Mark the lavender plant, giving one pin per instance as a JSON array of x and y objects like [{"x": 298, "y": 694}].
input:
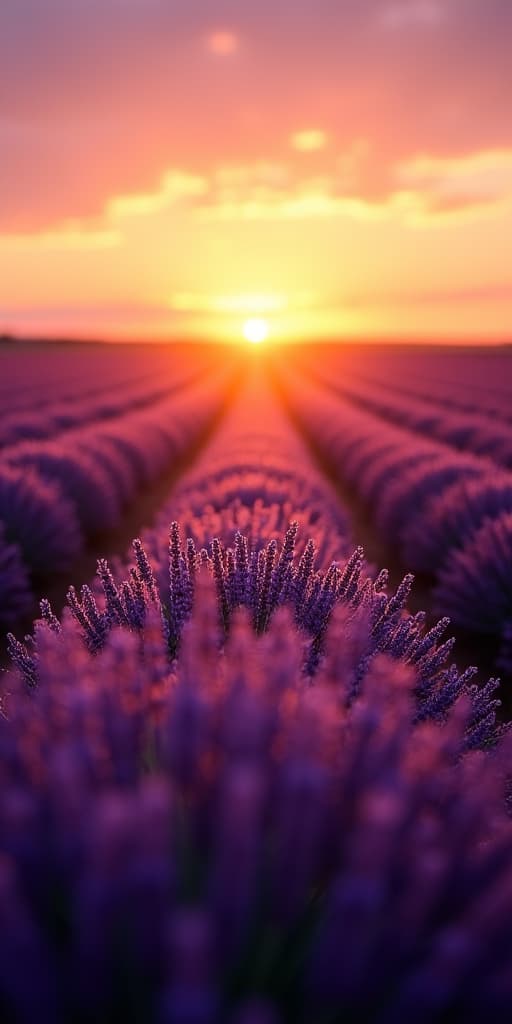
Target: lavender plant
[
  {"x": 261, "y": 580},
  {"x": 216, "y": 839}
]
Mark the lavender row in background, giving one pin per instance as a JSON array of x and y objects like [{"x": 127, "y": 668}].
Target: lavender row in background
[
  {"x": 464, "y": 380},
  {"x": 52, "y": 494},
  {"x": 39, "y": 375},
  {"x": 454, "y": 397},
  {"x": 473, "y": 433},
  {"x": 446, "y": 513},
  {"x": 45, "y": 412},
  {"x": 61, "y": 416}
]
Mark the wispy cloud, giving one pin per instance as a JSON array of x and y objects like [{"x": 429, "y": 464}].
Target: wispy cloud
[
  {"x": 425, "y": 189},
  {"x": 175, "y": 186},
  {"x": 471, "y": 183}
]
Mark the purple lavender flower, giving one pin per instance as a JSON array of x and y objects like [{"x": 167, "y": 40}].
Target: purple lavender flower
[
  {"x": 313, "y": 597},
  {"x": 222, "y": 841}
]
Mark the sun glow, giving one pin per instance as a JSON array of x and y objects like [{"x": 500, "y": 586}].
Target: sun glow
[{"x": 255, "y": 330}]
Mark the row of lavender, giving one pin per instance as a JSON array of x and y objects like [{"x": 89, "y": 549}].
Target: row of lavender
[
  {"x": 36, "y": 378},
  {"x": 449, "y": 514},
  {"x": 453, "y": 396},
  {"x": 202, "y": 823},
  {"x": 465, "y": 380},
  {"x": 474, "y": 432},
  {"x": 58, "y": 415},
  {"x": 45, "y": 391},
  {"x": 55, "y": 493}
]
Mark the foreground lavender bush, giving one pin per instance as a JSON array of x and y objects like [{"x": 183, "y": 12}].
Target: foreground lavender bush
[
  {"x": 217, "y": 839},
  {"x": 261, "y": 580}
]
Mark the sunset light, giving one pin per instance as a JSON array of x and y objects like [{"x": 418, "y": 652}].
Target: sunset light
[
  {"x": 357, "y": 151},
  {"x": 256, "y": 330}
]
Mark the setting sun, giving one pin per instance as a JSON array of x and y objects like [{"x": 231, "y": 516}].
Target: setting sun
[{"x": 255, "y": 330}]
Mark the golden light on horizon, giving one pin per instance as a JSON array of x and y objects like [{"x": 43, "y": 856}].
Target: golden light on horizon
[
  {"x": 256, "y": 330},
  {"x": 309, "y": 141}
]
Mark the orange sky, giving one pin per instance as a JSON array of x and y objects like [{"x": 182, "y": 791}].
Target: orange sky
[{"x": 174, "y": 168}]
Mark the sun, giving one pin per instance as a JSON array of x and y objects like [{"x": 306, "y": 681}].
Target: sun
[{"x": 255, "y": 330}]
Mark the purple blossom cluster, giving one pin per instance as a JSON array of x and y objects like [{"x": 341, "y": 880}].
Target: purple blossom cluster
[
  {"x": 219, "y": 839},
  {"x": 56, "y": 492},
  {"x": 446, "y": 512},
  {"x": 262, "y": 580}
]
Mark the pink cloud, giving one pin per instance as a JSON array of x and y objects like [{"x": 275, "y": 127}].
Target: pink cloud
[{"x": 102, "y": 98}]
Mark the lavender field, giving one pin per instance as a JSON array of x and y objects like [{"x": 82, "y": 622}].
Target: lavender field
[{"x": 255, "y": 748}]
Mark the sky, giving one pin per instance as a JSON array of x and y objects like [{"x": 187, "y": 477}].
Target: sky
[{"x": 338, "y": 167}]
